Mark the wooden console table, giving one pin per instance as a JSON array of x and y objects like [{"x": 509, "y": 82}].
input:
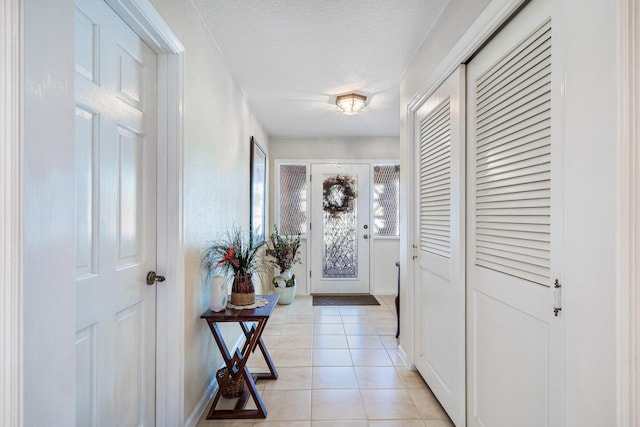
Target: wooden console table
[{"x": 237, "y": 363}]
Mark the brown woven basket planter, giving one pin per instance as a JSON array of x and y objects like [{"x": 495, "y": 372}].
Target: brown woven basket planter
[
  {"x": 242, "y": 291},
  {"x": 243, "y": 299},
  {"x": 229, "y": 387}
]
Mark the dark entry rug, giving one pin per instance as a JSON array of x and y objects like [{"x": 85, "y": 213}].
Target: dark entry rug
[{"x": 345, "y": 300}]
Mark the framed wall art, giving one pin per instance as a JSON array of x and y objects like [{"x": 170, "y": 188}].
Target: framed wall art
[{"x": 258, "y": 202}]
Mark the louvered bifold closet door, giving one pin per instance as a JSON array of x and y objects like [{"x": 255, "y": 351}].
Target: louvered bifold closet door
[
  {"x": 435, "y": 181},
  {"x": 513, "y": 161},
  {"x": 515, "y": 343},
  {"x": 440, "y": 287}
]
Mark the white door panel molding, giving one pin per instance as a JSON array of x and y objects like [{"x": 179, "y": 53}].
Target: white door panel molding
[
  {"x": 141, "y": 16},
  {"x": 115, "y": 188}
]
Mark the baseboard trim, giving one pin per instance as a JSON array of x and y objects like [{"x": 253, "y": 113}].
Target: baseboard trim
[
  {"x": 203, "y": 404},
  {"x": 403, "y": 355},
  {"x": 207, "y": 398}
]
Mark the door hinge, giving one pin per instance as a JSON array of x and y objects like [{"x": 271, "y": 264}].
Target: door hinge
[
  {"x": 309, "y": 177},
  {"x": 557, "y": 298},
  {"x": 309, "y": 226},
  {"x": 415, "y": 250},
  {"x": 309, "y": 273}
]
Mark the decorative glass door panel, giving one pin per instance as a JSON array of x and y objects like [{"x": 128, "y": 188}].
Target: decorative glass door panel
[
  {"x": 339, "y": 225},
  {"x": 339, "y": 228}
]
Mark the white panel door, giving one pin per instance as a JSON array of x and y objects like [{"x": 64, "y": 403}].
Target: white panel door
[
  {"x": 116, "y": 220},
  {"x": 340, "y": 242},
  {"x": 440, "y": 287},
  {"x": 515, "y": 354}
]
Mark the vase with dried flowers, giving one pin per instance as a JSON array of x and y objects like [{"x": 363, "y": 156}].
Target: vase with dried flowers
[
  {"x": 234, "y": 257},
  {"x": 283, "y": 252}
]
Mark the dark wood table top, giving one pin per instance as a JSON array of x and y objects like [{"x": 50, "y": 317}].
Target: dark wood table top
[{"x": 245, "y": 315}]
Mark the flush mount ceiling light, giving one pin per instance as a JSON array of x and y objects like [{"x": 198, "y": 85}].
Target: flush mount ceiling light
[{"x": 351, "y": 103}]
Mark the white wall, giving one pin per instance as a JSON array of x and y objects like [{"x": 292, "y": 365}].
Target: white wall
[
  {"x": 585, "y": 37},
  {"x": 218, "y": 126},
  {"x": 384, "y": 273},
  {"x": 385, "y": 252},
  {"x": 454, "y": 21},
  {"x": 588, "y": 32},
  {"x": 335, "y": 148},
  {"x": 49, "y": 230}
]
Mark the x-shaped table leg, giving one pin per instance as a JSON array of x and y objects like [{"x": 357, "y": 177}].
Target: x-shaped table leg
[
  {"x": 250, "y": 332},
  {"x": 237, "y": 365}
]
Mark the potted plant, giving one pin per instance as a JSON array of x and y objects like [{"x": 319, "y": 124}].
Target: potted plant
[
  {"x": 282, "y": 254},
  {"x": 235, "y": 258}
]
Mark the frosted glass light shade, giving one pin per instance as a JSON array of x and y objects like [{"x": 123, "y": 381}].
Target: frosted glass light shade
[{"x": 351, "y": 103}]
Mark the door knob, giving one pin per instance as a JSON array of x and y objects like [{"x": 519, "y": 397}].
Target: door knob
[
  {"x": 152, "y": 278},
  {"x": 366, "y": 236}
]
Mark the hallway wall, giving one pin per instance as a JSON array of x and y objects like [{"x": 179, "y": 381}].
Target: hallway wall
[
  {"x": 49, "y": 212},
  {"x": 381, "y": 147},
  {"x": 588, "y": 125},
  {"x": 218, "y": 125}
]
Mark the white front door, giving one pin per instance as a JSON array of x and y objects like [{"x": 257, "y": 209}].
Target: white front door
[
  {"x": 515, "y": 348},
  {"x": 440, "y": 286},
  {"x": 115, "y": 220},
  {"x": 340, "y": 231}
]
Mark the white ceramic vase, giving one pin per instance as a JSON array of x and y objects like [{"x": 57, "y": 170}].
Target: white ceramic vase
[
  {"x": 219, "y": 289},
  {"x": 287, "y": 294}
]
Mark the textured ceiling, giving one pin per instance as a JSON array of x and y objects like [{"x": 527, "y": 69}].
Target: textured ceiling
[{"x": 293, "y": 57}]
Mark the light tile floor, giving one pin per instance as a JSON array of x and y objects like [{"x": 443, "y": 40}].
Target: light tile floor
[{"x": 338, "y": 367}]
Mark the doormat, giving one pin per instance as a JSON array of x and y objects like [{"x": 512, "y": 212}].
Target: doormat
[{"x": 345, "y": 300}]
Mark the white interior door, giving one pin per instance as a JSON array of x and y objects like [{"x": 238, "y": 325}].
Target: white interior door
[
  {"x": 515, "y": 342},
  {"x": 116, "y": 220},
  {"x": 440, "y": 286},
  {"x": 340, "y": 242}
]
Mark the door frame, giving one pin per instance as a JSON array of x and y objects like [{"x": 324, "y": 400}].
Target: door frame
[
  {"x": 628, "y": 232},
  {"x": 142, "y": 17},
  {"x": 11, "y": 214},
  {"x": 496, "y": 14}
]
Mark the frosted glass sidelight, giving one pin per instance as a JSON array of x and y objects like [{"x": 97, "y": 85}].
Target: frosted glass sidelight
[
  {"x": 293, "y": 199},
  {"x": 386, "y": 200},
  {"x": 340, "y": 242}
]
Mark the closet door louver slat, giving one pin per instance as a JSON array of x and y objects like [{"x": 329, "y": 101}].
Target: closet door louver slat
[
  {"x": 513, "y": 60},
  {"x": 435, "y": 181},
  {"x": 513, "y": 161}
]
